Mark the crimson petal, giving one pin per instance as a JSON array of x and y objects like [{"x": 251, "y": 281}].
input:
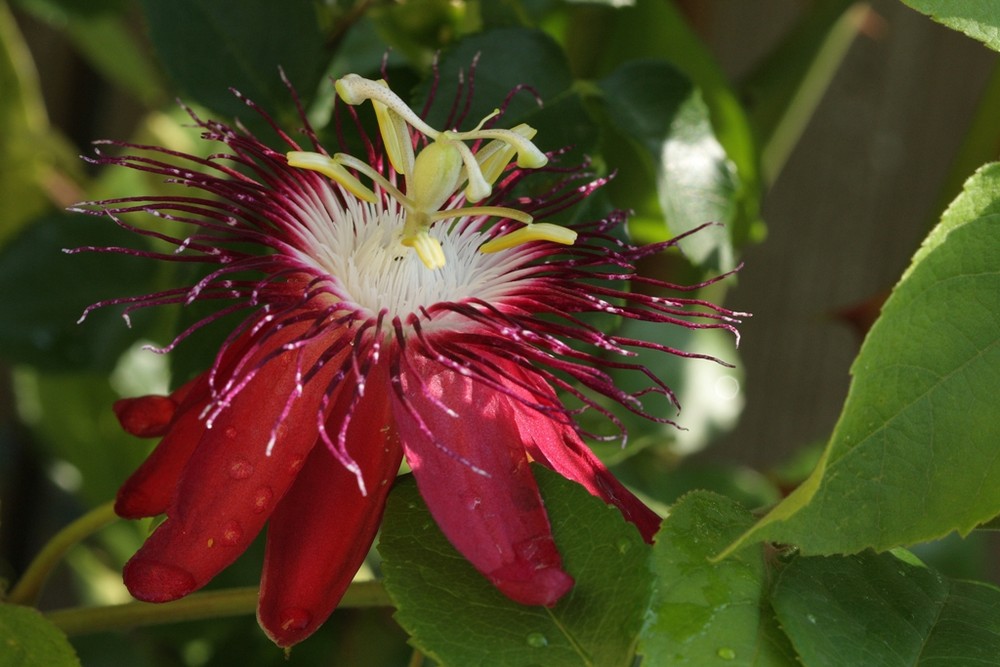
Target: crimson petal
[
  {"x": 227, "y": 489},
  {"x": 475, "y": 477},
  {"x": 559, "y": 447},
  {"x": 322, "y": 529}
]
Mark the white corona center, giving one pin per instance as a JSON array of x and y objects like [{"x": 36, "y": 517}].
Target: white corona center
[{"x": 358, "y": 246}]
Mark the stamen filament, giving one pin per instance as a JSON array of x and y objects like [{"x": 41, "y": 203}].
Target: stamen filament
[{"x": 539, "y": 231}]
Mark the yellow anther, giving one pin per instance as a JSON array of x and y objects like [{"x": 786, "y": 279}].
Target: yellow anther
[
  {"x": 332, "y": 169},
  {"x": 494, "y": 157},
  {"x": 428, "y": 249},
  {"x": 395, "y": 135},
  {"x": 539, "y": 231}
]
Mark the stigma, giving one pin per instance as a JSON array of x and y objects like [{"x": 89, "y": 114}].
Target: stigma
[{"x": 436, "y": 174}]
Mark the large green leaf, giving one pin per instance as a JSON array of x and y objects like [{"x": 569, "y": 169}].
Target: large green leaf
[
  {"x": 883, "y": 610},
  {"x": 602, "y": 39},
  {"x": 456, "y": 616},
  {"x": 705, "y": 613},
  {"x": 43, "y": 291},
  {"x": 914, "y": 455},
  {"x": 979, "y": 19},
  {"x": 28, "y": 640},
  {"x": 498, "y": 62},
  {"x": 208, "y": 47},
  {"x": 651, "y": 103}
]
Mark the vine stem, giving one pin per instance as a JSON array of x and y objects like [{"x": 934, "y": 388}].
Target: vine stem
[
  {"x": 28, "y": 588},
  {"x": 194, "y": 607}
]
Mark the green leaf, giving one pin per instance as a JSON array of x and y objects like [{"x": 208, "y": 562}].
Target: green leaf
[
  {"x": 913, "y": 455},
  {"x": 29, "y": 148},
  {"x": 28, "y": 640},
  {"x": 505, "y": 60},
  {"x": 43, "y": 291},
  {"x": 208, "y": 47},
  {"x": 72, "y": 417},
  {"x": 99, "y": 29},
  {"x": 707, "y": 613},
  {"x": 602, "y": 39},
  {"x": 883, "y": 610},
  {"x": 979, "y": 19},
  {"x": 596, "y": 624},
  {"x": 653, "y": 104}
]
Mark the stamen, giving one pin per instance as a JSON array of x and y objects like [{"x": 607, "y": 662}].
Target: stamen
[
  {"x": 539, "y": 231},
  {"x": 428, "y": 249},
  {"x": 332, "y": 169},
  {"x": 435, "y": 175}
]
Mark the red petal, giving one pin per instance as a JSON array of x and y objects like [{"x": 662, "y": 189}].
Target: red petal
[
  {"x": 229, "y": 485},
  {"x": 477, "y": 482},
  {"x": 145, "y": 416},
  {"x": 148, "y": 491},
  {"x": 559, "y": 447},
  {"x": 322, "y": 529}
]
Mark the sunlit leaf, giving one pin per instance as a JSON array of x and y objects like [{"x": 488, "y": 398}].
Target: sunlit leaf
[
  {"x": 653, "y": 29},
  {"x": 978, "y": 19},
  {"x": 913, "y": 456},
  {"x": 653, "y": 104},
  {"x": 457, "y": 617}
]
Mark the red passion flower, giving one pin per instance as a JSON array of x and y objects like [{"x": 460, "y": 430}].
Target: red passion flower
[{"x": 409, "y": 304}]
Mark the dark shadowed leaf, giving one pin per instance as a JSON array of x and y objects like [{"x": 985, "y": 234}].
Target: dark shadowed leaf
[
  {"x": 28, "y": 640},
  {"x": 457, "y": 617},
  {"x": 208, "y": 47},
  {"x": 706, "y": 613},
  {"x": 884, "y": 610},
  {"x": 43, "y": 291}
]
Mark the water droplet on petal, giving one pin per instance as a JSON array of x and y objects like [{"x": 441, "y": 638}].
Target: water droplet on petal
[
  {"x": 262, "y": 499},
  {"x": 536, "y": 640},
  {"x": 240, "y": 468},
  {"x": 232, "y": 534},
  {"x": 294, "y": 618},
  {"x": 726, "y": 653},
  {"x": 810, "y": 618}
]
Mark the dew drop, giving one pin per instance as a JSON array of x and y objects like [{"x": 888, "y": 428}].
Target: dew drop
[
  {"x": 232, "y": 534},
  {"x": 262, "y": 499},
  {"x": 295, "y": 618},
  {"x": 726, "y": 653},
  {"x": 537, "y": 640},
  {"x": 810, "y": 618},
  {"x": 240, "y": 468}
]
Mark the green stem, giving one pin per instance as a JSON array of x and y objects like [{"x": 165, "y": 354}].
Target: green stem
[
  {"x": 26, "y": 590},
  {"x": 194, "y": 607}
]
